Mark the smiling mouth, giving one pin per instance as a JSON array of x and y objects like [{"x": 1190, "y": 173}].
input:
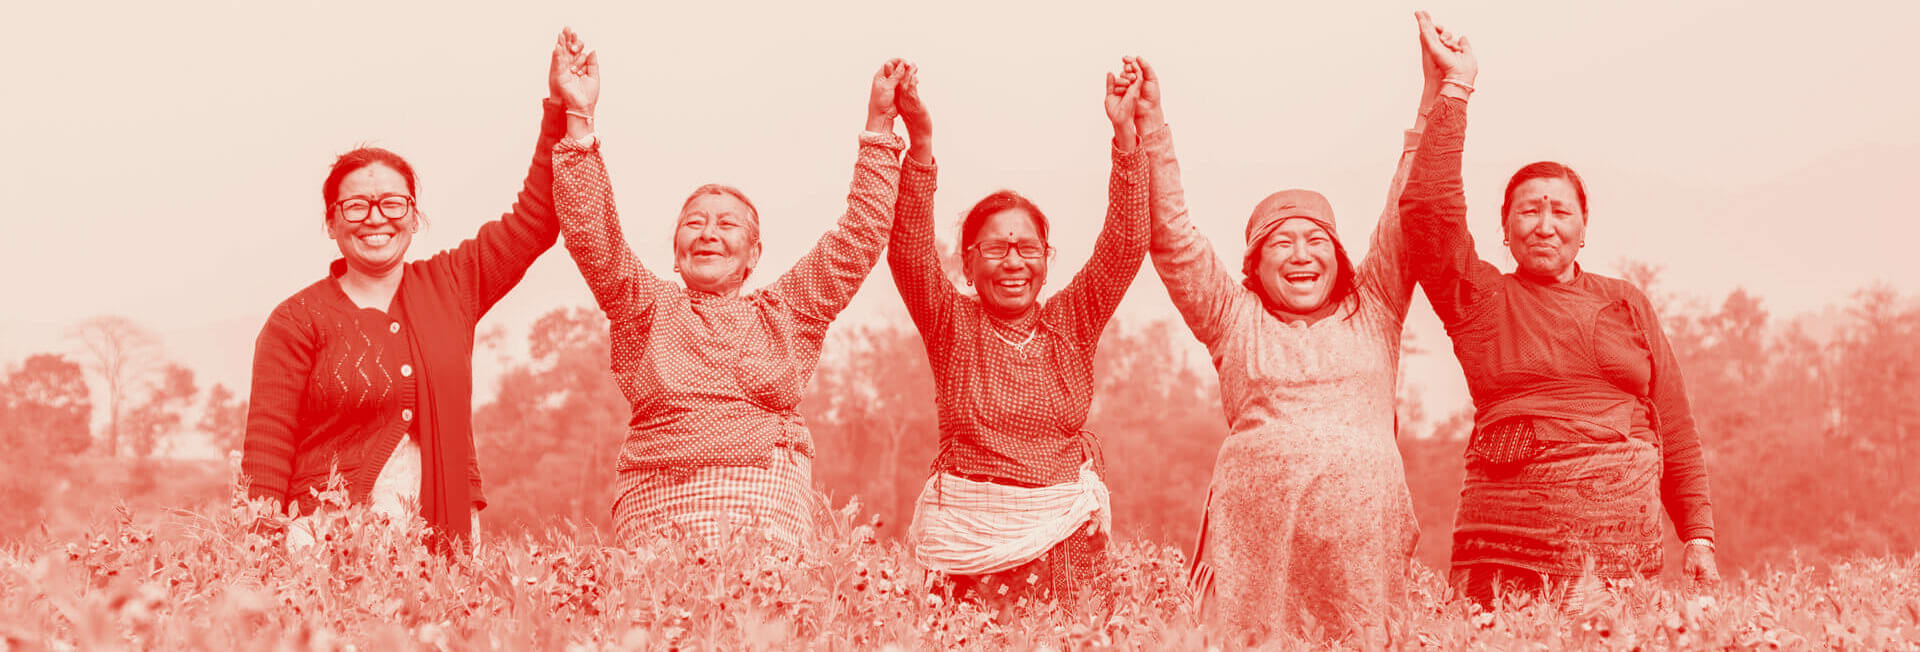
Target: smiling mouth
[
  {"x": 1012, "y": 284},
  {"x": 1302, "y": 280},
  {"x": 376, "y": 239}
]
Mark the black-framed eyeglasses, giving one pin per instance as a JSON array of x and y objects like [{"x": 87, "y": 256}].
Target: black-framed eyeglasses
[
  {"x": 999, "y": 249},
  {"x": 358, "y": 209}
]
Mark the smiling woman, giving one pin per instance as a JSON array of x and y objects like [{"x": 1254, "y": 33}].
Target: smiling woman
[
  {"x": 1016, "y": 508},
  {"x": 367, "y": 373},
  {"x": 716, "y": 445}
]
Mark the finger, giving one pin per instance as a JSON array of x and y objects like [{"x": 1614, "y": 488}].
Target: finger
[
  {"x": 1146, "y": 71},
  {"x": 1466, "y": 47},
  {"x": 593, "y": 63}
]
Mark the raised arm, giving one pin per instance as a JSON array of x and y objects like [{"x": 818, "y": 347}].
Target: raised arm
[
  {"x": 492, "y": 262},
  {"x": 1090, "y": 300},
  {"x": 911, "y": 255},
  {"x": 1385, "y": 273},
  {"x": 824, "y": 280},
  {"x": 583, "y": 197},
  {"x": 1200, "y": 285},
  {"x": 282, "y": 362},
  {"x": 1433, "y": 204}
]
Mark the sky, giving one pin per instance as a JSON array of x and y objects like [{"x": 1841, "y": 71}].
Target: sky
[{"x": 164, "y": 159}]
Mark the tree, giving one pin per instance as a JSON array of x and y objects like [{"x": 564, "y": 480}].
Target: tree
[
  {"x": 45, "y": 407},
  {"x": 160, "y": 416},
  {"x": 120, "y": 353},
  {"x": 224, "y": 418}
]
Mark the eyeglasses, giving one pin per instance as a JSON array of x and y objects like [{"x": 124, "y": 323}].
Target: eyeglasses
[
  {"x": 358, "y": 209},
  {"x": 999, "y": 249}
]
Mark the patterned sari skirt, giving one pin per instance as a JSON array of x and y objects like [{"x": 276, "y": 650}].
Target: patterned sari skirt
[
  {"x": 715, "y": 503},
  {"x": 1561, "y": 499}
]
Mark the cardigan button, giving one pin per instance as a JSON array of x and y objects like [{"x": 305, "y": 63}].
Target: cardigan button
[
  {"x": 406, "y": 414},
  {"x": 406, "y": 370},
  {"x": 393, "y": 328}
]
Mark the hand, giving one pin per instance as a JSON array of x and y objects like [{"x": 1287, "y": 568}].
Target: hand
[
  {"x": 880, "y": 99},
  {"x": 1147, "y": 114},
  {"x": 1450, "y": 52},
  {"x": 574, "y": 76},
  {"x": 1698, "y": 566},
  {"x": 913, "y": 113},
  {"x": 1123, "y": 103}
]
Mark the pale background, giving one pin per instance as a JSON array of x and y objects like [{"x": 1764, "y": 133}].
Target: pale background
[{"x": 163, "y": 160}]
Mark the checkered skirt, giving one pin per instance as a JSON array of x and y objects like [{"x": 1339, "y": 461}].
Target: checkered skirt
[{"x": 715, "y": 503}]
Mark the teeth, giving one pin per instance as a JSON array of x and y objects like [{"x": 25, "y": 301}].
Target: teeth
[
  {"x": 1012, "y": 284},
  {"x": 377, "y": 240}
]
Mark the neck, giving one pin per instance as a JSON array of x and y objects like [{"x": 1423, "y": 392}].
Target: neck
[
  {"x": 357, "y": 277},
  {"x": 1565, "y": 275}
]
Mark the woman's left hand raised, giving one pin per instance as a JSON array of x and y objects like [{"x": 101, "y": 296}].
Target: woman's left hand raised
[
  {"x": 1123, "y": 103},
  {"x": 881, "y": 109},
  {"x": 574, "y": 77}
]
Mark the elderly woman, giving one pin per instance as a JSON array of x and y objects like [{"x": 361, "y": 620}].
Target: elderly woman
[
  {"x": 368, "y": 372},
  {"x": 1581, "y": 425},
  {"x": 1308, "y": 525},
  {"x": 716, "y": 445},
  {"x": 1015, "y": 506}
]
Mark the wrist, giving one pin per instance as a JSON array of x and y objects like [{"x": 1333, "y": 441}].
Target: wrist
[
  {"x": 879, "y": 124},
  {"x": 1701, "y": 542},
  {"x": 1125, "y": 136}
]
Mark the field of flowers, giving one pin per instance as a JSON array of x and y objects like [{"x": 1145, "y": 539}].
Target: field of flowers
[{"x": 206, "y": 580}]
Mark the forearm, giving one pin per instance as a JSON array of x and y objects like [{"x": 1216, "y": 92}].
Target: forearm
[
  {"x": 911, "y": 255},
  {"x": 1182, "y": 257},
  {"x": 590, "y": 222},
  {"x": 495, "y": 259},
  {"x": 825, "y": 279}
]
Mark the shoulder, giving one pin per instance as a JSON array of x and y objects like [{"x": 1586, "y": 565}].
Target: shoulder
[{"x": 1613, "y": 288}]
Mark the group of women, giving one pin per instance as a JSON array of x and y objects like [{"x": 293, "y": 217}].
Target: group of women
[{"x": 1581, "y": 429}]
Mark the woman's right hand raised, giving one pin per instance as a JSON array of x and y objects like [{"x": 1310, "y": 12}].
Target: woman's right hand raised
[
  {"x": 881, "y": 107},
  {"x": 1147, "y": 114},
  {"x": 1123, "y": 104},
  {"x": 1450, "y": 52},
  {"x": 574, "y": 77},
  {"x": 913, "y": 112}
]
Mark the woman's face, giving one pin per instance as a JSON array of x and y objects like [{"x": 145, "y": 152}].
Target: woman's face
[
  {"x": 1298, "y": 266},
  {"x": 716, "y": 244},
  {"x": 1545, "y": 227},
  {"x": 1010, "y": 284},
  {"x": 378, "y": 243}
]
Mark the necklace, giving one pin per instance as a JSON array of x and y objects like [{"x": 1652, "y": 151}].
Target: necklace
[{"x": 1020, "y": 346}]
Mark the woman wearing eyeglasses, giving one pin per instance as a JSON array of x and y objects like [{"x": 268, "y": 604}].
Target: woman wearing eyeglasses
[
  {"x": 368, "y": 372},
  {"x": 1015, "y": 506},
  {"x": 714, "y": 375}
]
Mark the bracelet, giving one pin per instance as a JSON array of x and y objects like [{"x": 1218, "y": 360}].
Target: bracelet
[
  {"x": 1701, "y": 542},
  {"x": 1463, "y": 85},
  {"x": 581, "y": 115}
]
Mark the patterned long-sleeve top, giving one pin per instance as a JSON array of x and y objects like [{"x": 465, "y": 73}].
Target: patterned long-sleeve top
[
  {"x": 716, "y": 380},
  {"x": 1589, "y": 350},
  {"x": 1007, "y": 412},
  {"x": 336, "y": 386}
]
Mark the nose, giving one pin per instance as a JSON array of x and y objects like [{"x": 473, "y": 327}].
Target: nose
[{"x": 1298, "y": 256}]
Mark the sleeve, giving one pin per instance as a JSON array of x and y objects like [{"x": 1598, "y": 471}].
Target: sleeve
[
  {"x": 489, "y": 264},
  {"x": 912, "y": 258},
  {"x": 1385, "y": 271},
  {"x": 583, "y": 202},
  {"x": 1090, "y": 300},
  {"x": 1200, "y": 285},
  {"x": 1433, "y": 218},
  {"x": 824, "y": 280},
  {"x": 1683, "y": 477},
  {"x": 283, "y": 358}
]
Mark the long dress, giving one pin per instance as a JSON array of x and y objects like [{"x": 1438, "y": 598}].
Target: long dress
[
  {"x": 1309, "y": 524},
  {"x": 716, "y": 445},
  {"x": 1581, "y": 422},
  {"x": 1013, "y": 411}
]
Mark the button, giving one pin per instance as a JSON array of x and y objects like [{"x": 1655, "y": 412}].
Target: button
[
  {"x": 406, "y": 414},
  {"x": 406, "y": 370},
  {"x": 393, "y": 327}
]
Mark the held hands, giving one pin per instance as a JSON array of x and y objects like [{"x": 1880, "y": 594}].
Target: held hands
[
  {"x": 1123, "y": 103},
  {"x": 1451, "y": 54},
  {"x": 574, "y": 77},
  {"x": 913, "y": 112},
  {"x": 881, "y": 108},
  {"x": 1147, "y": 114}
]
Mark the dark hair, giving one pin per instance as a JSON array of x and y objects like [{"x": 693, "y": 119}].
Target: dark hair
[
  {"x": 1543, "y": 170},
  {"x": 1344, "y": 280},
  {"x": 353, "y": 161},
  {"x": 993, "y": 204}
]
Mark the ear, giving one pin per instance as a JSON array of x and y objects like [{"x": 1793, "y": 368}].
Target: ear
[{"x": 753, "y": 257}]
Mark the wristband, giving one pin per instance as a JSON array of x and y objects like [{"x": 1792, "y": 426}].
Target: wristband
[
  {"x": 1701, "y": 542},
  {"x": 581, "y": 115},
  {"x": 1463, "y": 85}
]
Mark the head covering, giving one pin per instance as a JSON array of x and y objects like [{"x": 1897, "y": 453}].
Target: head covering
[{"x": 1280, "y": 206}]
